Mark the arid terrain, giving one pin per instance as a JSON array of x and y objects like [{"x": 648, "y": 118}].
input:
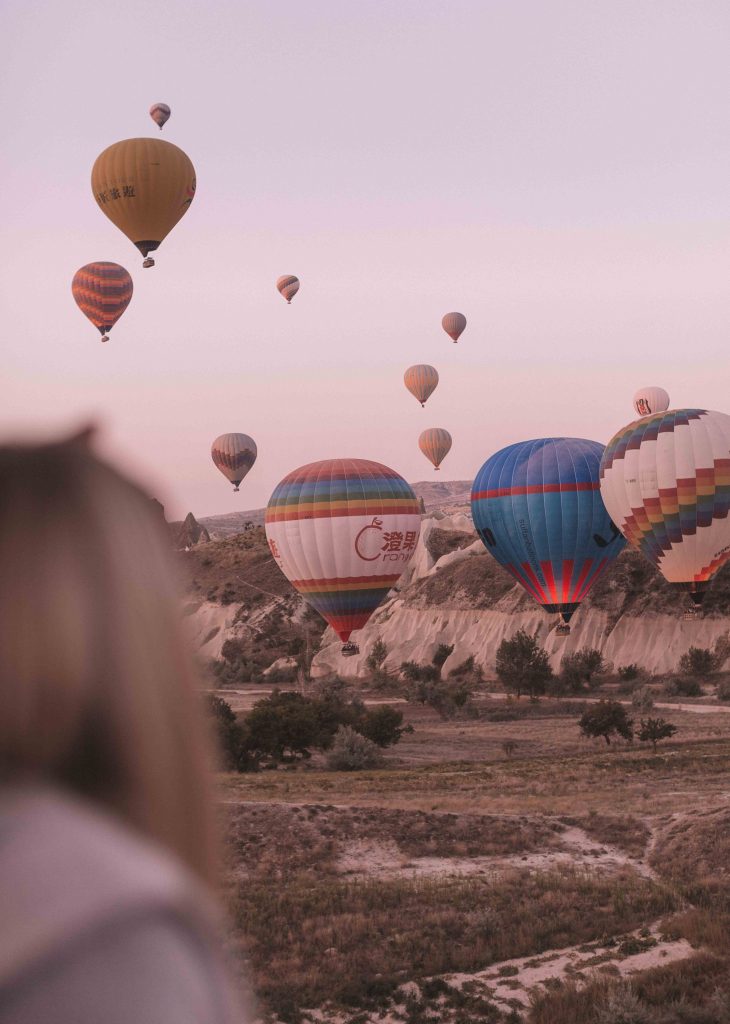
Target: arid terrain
[
  {"x": 491, "y": 871},
  {"x": 498, "y": 867}
]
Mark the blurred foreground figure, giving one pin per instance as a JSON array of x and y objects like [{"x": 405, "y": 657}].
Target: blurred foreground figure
[{"x": 107, "y": 852}]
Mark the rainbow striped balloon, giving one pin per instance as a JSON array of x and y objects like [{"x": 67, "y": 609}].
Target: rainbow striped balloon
[
  {"x": 102, "y": 291},
  {"x": 665, "y": 480},
  {"x": 342, "y": 531}
]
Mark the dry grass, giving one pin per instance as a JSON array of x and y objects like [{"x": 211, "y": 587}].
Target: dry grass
[
  {"x": 683, "y": 775},
  {"x": 693, "y": 991},
  {"x": 320, "y": 939},
  {"x": 315, "y": 833},
  {"x": 627, "y": 833}
]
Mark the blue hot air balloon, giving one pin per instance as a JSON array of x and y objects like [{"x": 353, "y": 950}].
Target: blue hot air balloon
[{"x": 537, "y": 507}]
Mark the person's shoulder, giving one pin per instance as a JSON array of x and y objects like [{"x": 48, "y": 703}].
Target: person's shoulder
[{"x": 67, "y": 869}]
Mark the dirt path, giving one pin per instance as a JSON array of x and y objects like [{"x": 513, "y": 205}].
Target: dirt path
[{"x": 384, "y": 859}]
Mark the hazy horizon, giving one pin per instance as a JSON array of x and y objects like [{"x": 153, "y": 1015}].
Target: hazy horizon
[{"x": 557, "y": 172}]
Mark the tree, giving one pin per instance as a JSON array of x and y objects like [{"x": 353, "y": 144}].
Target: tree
[
  {"x": 698, "y": 661},
  {"x": 579, "y": 668},
  {"x": 443, "y": 651},
  {"x": 383, "y": 725},
  {"x": 522, "y": 664},
  {"x": 284, "y": 726},
  {"x": 607, "y": 718},
  {"x": 652, "y": 730},
  {"x": 376, "y": 657},
  {"x": 229, "y": 734},
  {"x": 642, "y": 699}
]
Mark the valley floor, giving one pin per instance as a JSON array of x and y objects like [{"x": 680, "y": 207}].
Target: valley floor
[{"x": 497, "y": 871}]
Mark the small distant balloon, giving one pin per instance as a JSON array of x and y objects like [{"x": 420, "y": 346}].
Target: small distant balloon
[
  {"x": 421, "y": 380},
  {"x": 160, "y": 114},
  {"x": 288, "y": 286},
  {"x": 233, "y": 455},
  {"x": 454, "y": 324},
  {"x": 435, "y": 443},
  {"x": 102, "y": 291},
  {"x": 648, "y": 401}
]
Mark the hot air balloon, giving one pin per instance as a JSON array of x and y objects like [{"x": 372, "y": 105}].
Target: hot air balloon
[
  {"x": 160, "y": 114},
  {"x": 342, "y": 531},
  {"x": 538, "y": 510},
  {"x": 454, "y": 324},
  {"x": 288, "y": 285},
  {"x": 102, "y": 292},
  {"x": 665, "y": 480},
  {"x": 421, "y": 381},
  {"x": 435, "y": 443},
  {"x": 144, "y": 186},
  {"x": 650, "y": 400},
  {"x": 234, "y": 454}
]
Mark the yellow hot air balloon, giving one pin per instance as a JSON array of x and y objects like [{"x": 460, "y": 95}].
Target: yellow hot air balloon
[
  {"x": 160, "y": 114},
  {"x": 144, "y": 186},
  {"x": 421, "y": 381},
  {"x": 288, "y": 286},
  {"x": 435, "y": 443}
]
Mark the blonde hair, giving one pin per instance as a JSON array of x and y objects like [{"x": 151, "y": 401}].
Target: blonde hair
[{"x": 97, "y": 685}]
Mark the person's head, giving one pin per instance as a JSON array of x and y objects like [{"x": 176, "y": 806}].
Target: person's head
[{"x": 97, "y": 685}]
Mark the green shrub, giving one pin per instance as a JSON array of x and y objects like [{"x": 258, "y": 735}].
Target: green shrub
[
  {"x": 352, "y": 752},
  {"x": 443, "y": 651},
  {"x": 376, "y": 657},
  {"x": 652, "y": 730},
  {"x": 628, "y": 672},
  {"x": 683, "y": 688},
  {"x": 698, "y": 661},
  {"x": 605, "y": 719},
  {"x": 578, "y": 669},
  {"x": 642, "y": 699},
  {"x": 522, "y": 665}
]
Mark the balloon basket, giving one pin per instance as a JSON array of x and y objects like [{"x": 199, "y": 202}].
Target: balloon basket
[
  {"x": 349, "y": 649},
  {"x": 692, "y": 613},
  {"x": 562, "y": 629},
  {"x": 149, "y": 262}
]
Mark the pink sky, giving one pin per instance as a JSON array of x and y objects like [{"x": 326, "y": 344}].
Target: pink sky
[{"x": 557, "y": 171}]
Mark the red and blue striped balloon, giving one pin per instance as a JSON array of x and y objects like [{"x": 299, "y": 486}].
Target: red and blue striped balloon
[{"x": 538, "y": 509}]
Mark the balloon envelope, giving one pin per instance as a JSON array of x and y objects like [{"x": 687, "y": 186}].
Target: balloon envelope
[
  {"x": 342, "y": 531},
  {"x": 144, "y": 186},
  {"x": 288, "y": 286},
  {"x": 665, "y": 480},
  {"x": 234, "y": 454},
  {"x": 435, "y": 443},
  {"x": 538, "y": 510},
  {"x": 102, "y": 292},
  {"x": 454, "y": 324},
  {"x": 650, "y": 400},
  {"x": 160, "y": 114},
  {"x": 421, "y": 381}
]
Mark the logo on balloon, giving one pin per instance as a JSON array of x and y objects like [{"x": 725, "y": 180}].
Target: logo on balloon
[{"x": 369, "y": 541}]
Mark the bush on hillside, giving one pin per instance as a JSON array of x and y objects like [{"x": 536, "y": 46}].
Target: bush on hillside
[
  {"x": 698, "y": 661},
  {"x": 683, "y": 688},
  {"x": 443, "y": 651},
  {"x": 522, "y": 665},
  {"x": 377, "y": 655},
  {"x": 352, "y": 752},
  {"x": 468, "y": 671},
  {"x": 627, "y": 673},
  {"x": 578, "y": 670}
]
